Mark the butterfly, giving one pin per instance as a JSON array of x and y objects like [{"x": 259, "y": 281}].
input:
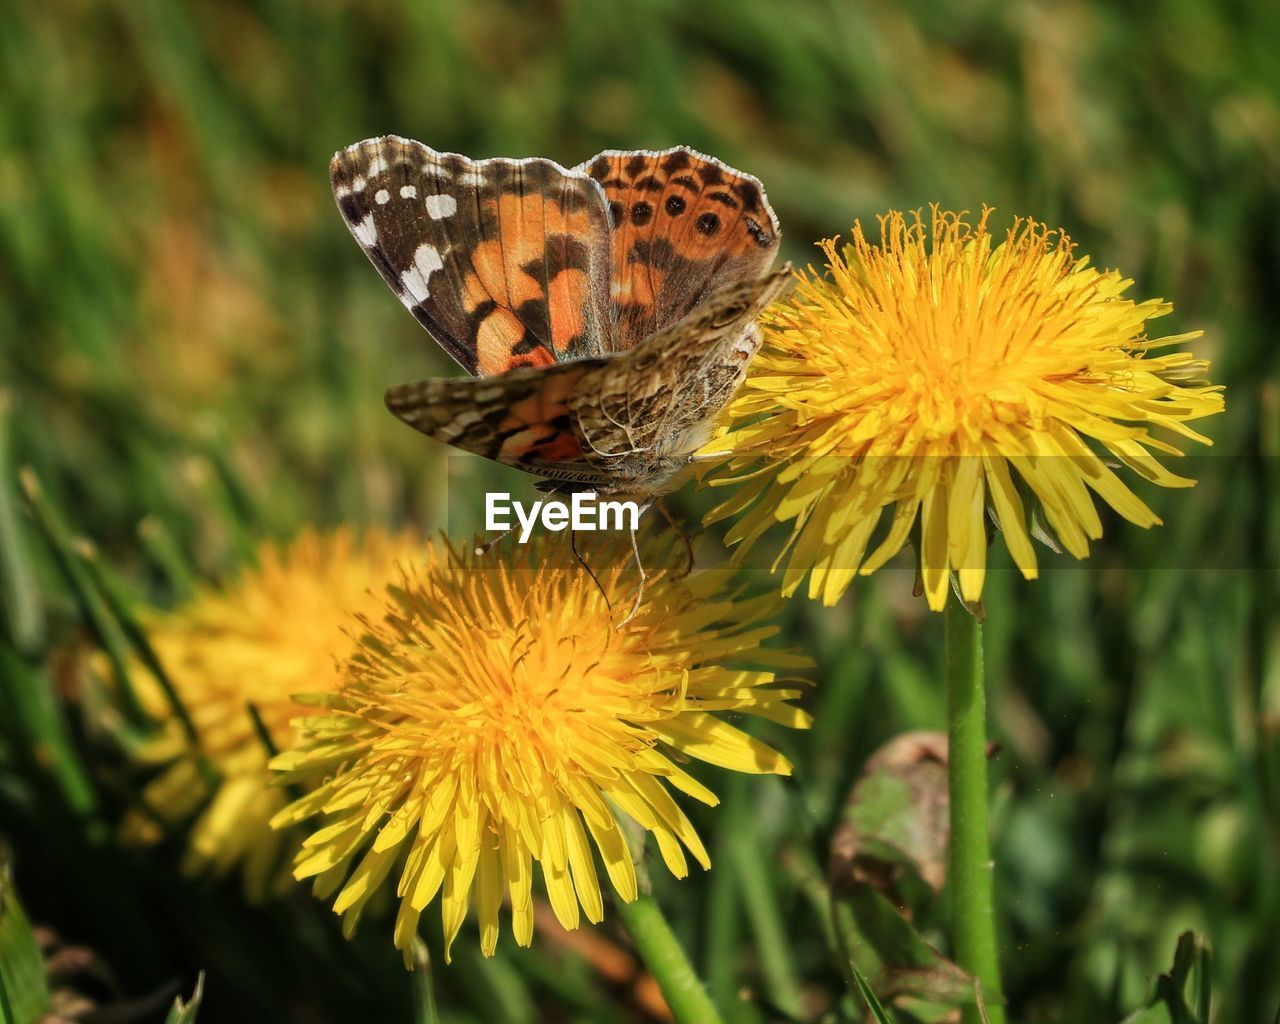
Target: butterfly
[{"x": 605, "y": 313}]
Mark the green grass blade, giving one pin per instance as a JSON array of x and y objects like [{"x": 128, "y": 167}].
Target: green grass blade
[
  {"x": 24, "y": 989},
  {"x": 760, "y": 900},
  {"x": 185, "y": 1013},
  {"x": 855, "y": 980},
  {"x": 868, "y": 996},
  {"x": 119, "y": 605},
  {"x": 18, "y": 591},
  {"x": 105, "y": 627},
  {"x": 31, "y": 700},
  {"x": 163, "y": 551}
]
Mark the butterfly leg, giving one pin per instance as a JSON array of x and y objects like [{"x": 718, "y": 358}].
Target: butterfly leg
[
  {"x": 635, "y": 550},
  {"x": 573, "y": 545},
  {"x": 688, "y": 541}
]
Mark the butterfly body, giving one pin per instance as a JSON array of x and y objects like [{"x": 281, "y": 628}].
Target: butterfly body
[{"x": 606, "y": 313}]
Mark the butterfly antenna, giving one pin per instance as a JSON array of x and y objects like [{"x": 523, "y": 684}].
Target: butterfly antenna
[
  {"x": 483, "y": 549},
  {"x": 688, "y": 541},
  {"x": 573, "y": 545}
]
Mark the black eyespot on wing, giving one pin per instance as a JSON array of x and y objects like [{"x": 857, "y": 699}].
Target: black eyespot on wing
[
  {"x": 708, "y": 224},
  {"x": 641, "y": 213},
  {"x": 675, "y": 206}
]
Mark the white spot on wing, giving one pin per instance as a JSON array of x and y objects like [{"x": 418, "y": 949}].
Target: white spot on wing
[
  {"x": 365, "y": 232},
  {"x": 376, "y": 166},
  {"x": 426, "y": 261},
  {"x": 358, "y": 184},
  {"x": 441, "y": 206},
  {"x": 408, "y": 191},
  {"x": 381, "y": 197}
]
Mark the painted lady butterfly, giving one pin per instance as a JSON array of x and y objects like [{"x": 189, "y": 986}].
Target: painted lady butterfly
[{"x": 606, "y": 313}]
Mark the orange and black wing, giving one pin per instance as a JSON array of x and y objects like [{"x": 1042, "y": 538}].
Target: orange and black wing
[
  {"x": 523, "y": 418},
  {"x": 506, "y": 263},
  {"x": 683, "y": 226}
]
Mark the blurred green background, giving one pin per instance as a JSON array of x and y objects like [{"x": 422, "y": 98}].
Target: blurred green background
[{"x": 188, "y": 336}]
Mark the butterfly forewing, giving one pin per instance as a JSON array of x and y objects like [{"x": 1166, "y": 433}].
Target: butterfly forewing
[{"x": 504, "y": 262}]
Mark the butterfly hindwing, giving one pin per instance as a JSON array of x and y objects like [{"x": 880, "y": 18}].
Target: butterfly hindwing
[
  {"x": 684, "y": 226},
  {"x": 614, "y": 423},
  {"x": 505, "y": 262},
  {"x": 522, "y": 418},
  {"x": 661, "y": 399}
]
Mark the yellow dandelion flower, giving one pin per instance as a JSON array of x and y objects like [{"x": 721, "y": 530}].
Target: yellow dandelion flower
[
  {"x": 946, "y": 376},
  {"x": 501, "y": 716},
  {"x": 277, "y": 629}
]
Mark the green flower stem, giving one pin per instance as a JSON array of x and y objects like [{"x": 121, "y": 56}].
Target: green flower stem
[
  {"x": 424, "y": 990},
  {"x": 969, "y": 868},
  {"x": 661, "y": 952}
]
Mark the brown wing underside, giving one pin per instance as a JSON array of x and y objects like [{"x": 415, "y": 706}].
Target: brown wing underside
[
  {"x": 596, "y": 422},
  {"x": 660, "y": 399},
  {"x": 521, "y": 418}
]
